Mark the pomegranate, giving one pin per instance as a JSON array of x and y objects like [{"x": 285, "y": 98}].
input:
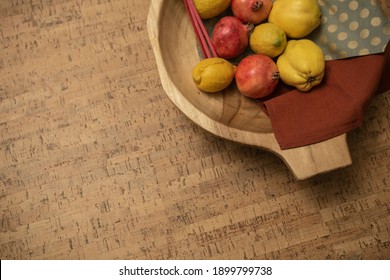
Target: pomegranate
[
  {"x": 256, "y": 76},
  {"x": 253, "y": 11},
  {"x": 230, "y": 37}
]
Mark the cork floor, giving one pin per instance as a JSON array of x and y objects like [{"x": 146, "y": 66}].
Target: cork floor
[{"x": 97, "y": 163}]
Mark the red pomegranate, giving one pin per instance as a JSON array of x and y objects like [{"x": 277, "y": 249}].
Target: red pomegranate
[
  {"x": 253, "y": 11},
  {"x": 256, "y": 76},
  {"x": 230, "y": 37}
]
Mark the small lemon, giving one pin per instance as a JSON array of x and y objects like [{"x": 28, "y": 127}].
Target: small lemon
[
  {"x": 213, "y": 74},
  {"x": 211, "y": 8},
  {"x": 268, "y": 39}
]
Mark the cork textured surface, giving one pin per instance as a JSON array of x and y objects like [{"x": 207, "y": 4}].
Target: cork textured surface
[{"x": 97, "y": 163}]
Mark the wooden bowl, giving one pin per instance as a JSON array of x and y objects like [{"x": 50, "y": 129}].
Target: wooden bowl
[{"x": 227, "y": 114}]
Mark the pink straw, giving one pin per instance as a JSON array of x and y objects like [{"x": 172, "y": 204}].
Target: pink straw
[
  {"x": 200, "y": 30},
  {"x": 195, "y": 29}
]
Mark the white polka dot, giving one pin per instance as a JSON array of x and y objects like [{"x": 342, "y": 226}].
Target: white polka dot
[
  {"x": 353, "y": 5},
  {"x": 343, "y": 17},
  {"x": 373, "y": 2},
  {"x": 342, "y": 36},
  {"x": 343, "y": 54},
  {"x": 386, "y": 30},
  {"x": 364, "y": 51},
  {"x": 333, "y": 9},
  {"x": 376, "y": 41},
  {"x": 328, "y": 57},
  {"x": 333, "y": 47},
  {"x": 376, "y": 21},
  {"x": 354, "y": 25},
  {"x": 364, "y": 13},
  {"x": 353, "y": 45},
  {"x": 364, "y": 33},
  {"x": 323, "y": 39},
  {"x": 324, "y": 19},
  {"x": 321, "y": 2},
  {"x": 332, "y": 28}
]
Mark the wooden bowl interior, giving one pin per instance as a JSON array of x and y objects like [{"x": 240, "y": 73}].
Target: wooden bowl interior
[
  {"x": 180, "y": 54},
  {"x": 227, "y": 114}
]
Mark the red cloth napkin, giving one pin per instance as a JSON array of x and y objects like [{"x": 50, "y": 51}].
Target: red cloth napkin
[{"x": 334, "y": 107}]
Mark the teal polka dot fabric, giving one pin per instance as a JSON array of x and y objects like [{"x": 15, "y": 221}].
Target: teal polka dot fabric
[{"x": 351, "y": 28}]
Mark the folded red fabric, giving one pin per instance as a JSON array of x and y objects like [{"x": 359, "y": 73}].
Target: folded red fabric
[{"x": 334, "y": 107}]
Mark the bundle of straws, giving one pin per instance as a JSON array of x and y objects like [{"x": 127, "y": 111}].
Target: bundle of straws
[{"x": 202, "y": 36}]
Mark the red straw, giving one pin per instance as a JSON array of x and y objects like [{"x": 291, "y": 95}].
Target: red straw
[
  {"x": 195, "y": 29},
  {"x": 200, "y": 30}
]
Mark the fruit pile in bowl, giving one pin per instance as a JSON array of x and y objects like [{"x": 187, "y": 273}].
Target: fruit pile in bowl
[
  {"x": 274, "y": 33},
  {"x": 228, "y": 113}
]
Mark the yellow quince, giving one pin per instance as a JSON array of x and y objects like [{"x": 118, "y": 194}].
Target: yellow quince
[
  {"x": 297, "y": 18},
  {"x": 302, "y": 64}
]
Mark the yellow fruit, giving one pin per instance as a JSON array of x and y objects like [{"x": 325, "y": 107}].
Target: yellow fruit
[
  {"x": 211, "y": 8},
  {"x": 213, "y": 74},
  {"x": 268, "y": 39},
  {"x": 298, "y": 18},
  {"x": 302, "y": 64}
]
